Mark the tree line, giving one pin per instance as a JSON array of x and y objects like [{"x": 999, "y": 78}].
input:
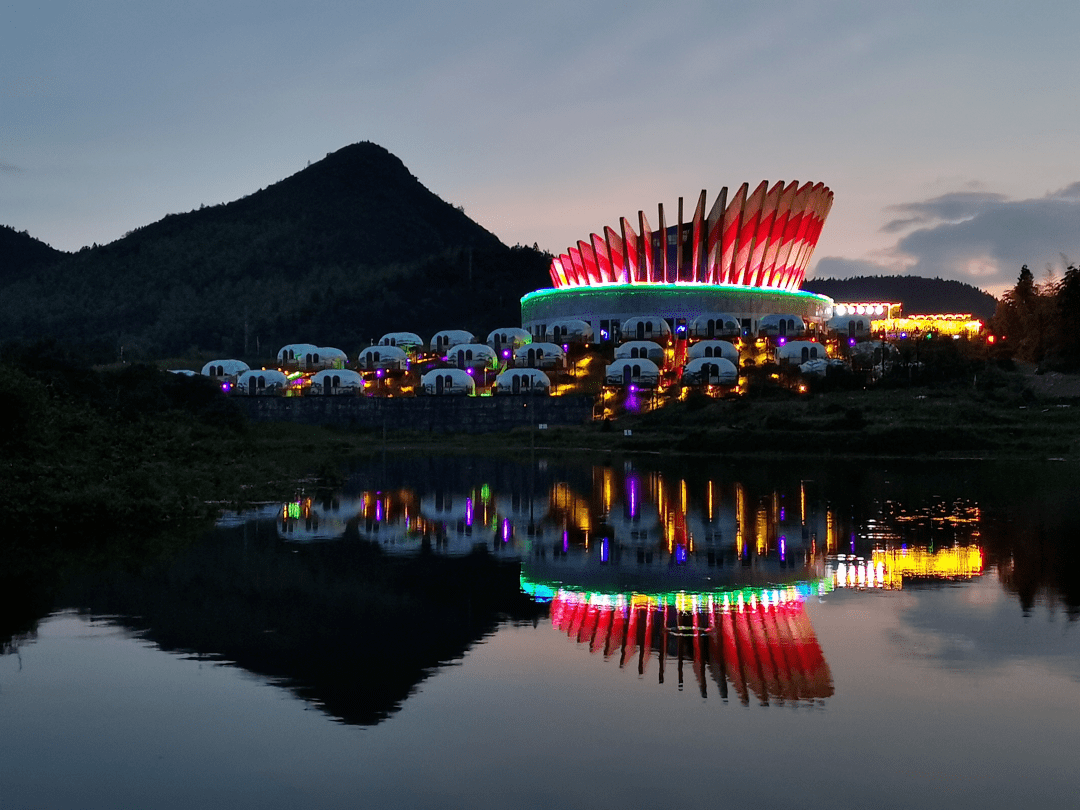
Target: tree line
[{"x": 1037, "y": 323}]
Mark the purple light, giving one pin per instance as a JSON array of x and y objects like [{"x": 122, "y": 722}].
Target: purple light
[
  {"x": 506, "y": 530},
  {"x": 565, "y": 541},
  {"x": 469, "y": 371},
  {"x": 506, "y": 353},
  {"x": 680, "y": 554},
  {"x": 851, "y": 341},
  {"x": 468, "y": 511},
  {"x": 566, "y": 347},
  {"x": 781, "y": 341},
  {"x": 604, "y": 550},
  {"x": 783, "y": 546},
  {"x": 379, "y": 373}
]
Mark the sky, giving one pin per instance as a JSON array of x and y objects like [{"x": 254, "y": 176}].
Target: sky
[{"x": 948, "y": 131}]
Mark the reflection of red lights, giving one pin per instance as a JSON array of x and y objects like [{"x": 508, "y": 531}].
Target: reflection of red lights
[{"x": 768, "y": 649}]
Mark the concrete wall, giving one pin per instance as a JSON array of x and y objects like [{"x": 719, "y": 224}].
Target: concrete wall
[{"x": 429, "y": 414}]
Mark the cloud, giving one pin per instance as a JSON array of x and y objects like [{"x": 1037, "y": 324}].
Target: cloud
[
  {"x": 978, "y": 237},
  {"x": 9, "y": 167},
  {"x": 955, "y": 207}
]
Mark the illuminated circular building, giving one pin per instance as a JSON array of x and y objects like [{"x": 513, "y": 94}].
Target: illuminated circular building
[{"x": 744, "y": 258}]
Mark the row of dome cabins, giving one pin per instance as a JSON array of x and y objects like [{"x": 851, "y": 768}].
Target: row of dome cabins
[
  {"x": 712, "y": 359},
  {"x": 460, "y": 361}
]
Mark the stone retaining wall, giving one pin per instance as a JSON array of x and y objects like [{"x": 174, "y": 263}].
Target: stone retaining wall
[{"x": 429, "y": 414}]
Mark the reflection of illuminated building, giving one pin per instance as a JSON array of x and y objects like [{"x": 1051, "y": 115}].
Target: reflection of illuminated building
[
  {"x": 889, "y": 568},
  {"x": 751, "y": 641}
]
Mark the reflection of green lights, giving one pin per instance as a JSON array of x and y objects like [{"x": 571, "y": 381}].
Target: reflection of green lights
[
  {"x": 294, "y": 509},
  {"x": 795, "y": 592},
  {"x": 485, "y": 493}
]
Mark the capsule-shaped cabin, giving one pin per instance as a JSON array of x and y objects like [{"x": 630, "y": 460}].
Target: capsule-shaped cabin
[
  {"x": 441, "y": 341},
  {"x": 710, "y": 371},
  {"x": 382, "y": 358},
  {"x": 786, "y": 326},
  {"x": 297, "y": 355},
  {"x": 540, "y": 355},
  {"x": 799, "y": 351},
  {"x": 447, "y": 382},
  {"x": 262, "y": 382},
  {"x": 633, "y": 349},
  {"x": 410, "y": 342},
  {"x": 328, "y": 357},
  {"x": 225, "y": 370},
  {"x": 714, "y": 348},
  {"x": 336, "y": 382},
  {"x": 646, "y": 327},
  {"x": 714, "y": 325},
  {"x": 475, "y": 356},
  {"x": 849, "y": 325},
  {"x": 643, "y": 373},
  {"x": 522, "y": 381},
  {"x": 570, "y": 331},
  {"x": 505, "y": 341}
]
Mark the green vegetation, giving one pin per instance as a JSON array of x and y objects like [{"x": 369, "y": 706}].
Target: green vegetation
[{"x": 1040, "y": 323}]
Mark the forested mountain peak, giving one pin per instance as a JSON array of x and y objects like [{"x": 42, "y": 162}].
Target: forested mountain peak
[{"x": 347, "y": 249}]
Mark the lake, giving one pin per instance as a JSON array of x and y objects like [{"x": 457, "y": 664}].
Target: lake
[{"x": 561, "y": 631}]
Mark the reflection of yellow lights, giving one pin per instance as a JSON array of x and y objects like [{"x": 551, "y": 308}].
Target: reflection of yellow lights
[
  {"x": 830, "y": 533},
  {"x": 959, "y": 562},
  {"x": 709, "y": 492}
]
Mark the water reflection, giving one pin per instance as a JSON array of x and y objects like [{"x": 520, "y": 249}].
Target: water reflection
[{"x": 759, "y": 642}]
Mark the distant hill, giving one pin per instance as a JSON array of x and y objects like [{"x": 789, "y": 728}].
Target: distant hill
[
  {"x": 341, "y": 252},
  {"x": 918, "y": 295},
  {"x": 20, "y": 253}
]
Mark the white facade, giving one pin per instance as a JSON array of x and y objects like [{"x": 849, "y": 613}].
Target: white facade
[
  {"x": 508, "y": 339},
  {"x": 569, "y": 330}
]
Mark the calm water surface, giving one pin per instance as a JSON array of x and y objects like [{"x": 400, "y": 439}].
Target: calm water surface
[{"x": 633, "y": 633}]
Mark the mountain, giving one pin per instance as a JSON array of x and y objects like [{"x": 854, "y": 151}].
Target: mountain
[
  {"x": 345, "y": 250},
  {"x": 21, "y": 253},
  {"x": 918, "y": 295}
]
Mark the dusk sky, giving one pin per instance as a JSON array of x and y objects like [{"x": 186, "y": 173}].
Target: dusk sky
[{"x": 949, "y": 131}]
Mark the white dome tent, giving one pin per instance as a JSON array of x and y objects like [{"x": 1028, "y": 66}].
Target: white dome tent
[
  {"x": 448, "y": 382},
  {"x": 410, "y": 342},
  {"x": 710, "y": 371},
  {"x": 799, "y": 351},
  {"x": 781, "y": 325},
  {"x": 262, "y": 382},
  {"x": 715, "y": 325},
  {"x": 646, "y": 327},
  {"x": 382, "y": 358},
  {"x": 714, "y": 348},
  {"x": 569, "y": 330},
  {"x": 296, "y": 355},
  {"x": 329, "y": 357},
  {"x": 336, "y": 381},
  {"x": 634, "y": 349},
  {"x": 540, "y": 355},
  {"x": 642, "y": 373},
  {"x": 506, "y": 341},
  {"x": 522, "y": 381},
  {"x": 475, "y": 356},
  {"x": 441, "y": 341},
  {"x": 227, "y": 370}
]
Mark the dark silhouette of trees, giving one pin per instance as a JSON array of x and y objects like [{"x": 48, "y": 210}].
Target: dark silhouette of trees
[{"x": 1038, "y": 322}]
